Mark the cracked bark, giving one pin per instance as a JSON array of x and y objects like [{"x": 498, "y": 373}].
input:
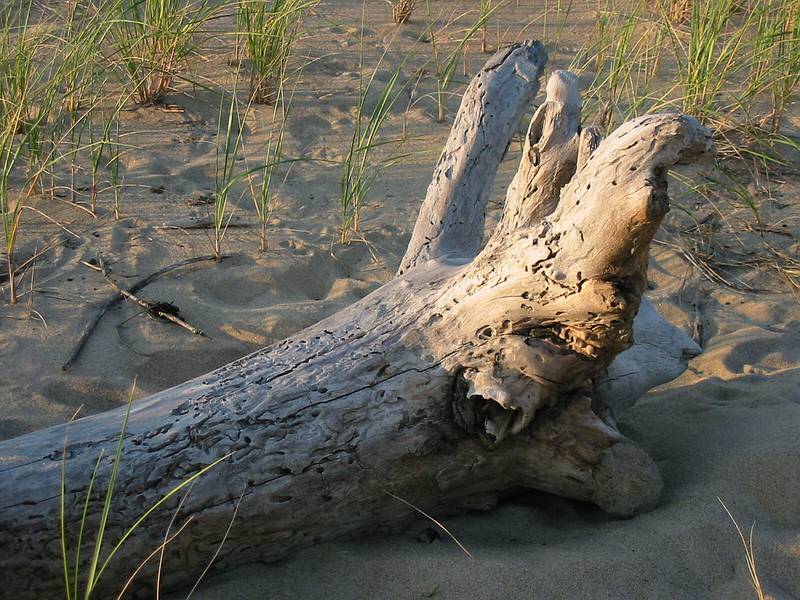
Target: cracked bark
[{"x": 474, "y": 371}]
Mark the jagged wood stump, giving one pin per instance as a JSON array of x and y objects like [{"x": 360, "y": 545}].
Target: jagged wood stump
[{"x": 478, "y": 369}]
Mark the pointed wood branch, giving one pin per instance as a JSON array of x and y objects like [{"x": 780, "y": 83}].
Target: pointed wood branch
[
  {"x": 452, "y": 216},
  {"x": 549, "y": 157}
]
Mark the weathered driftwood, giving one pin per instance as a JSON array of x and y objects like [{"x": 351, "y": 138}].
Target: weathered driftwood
[{"x": 473, "y": 372}]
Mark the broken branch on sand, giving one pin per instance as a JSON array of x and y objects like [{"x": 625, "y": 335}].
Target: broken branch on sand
[
  {"x": 161, "y": 310},
  {"x": 113, "y": 301}
]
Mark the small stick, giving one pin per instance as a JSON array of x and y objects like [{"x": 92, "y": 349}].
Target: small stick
[
  {"x": 437, "y": 523},
  {"x": 106, "y": 306},
  {"x": 201, "y": 222},
  {"x": 149, "y": 306}
]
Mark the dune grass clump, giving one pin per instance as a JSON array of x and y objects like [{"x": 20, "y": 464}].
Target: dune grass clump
[
  {"x": 359, "y": 171},
  {"x": 104, "y": 152},
  {"x": 446, "y": 69},
  {"x": 152, "y": 39},
  {"x": 402, "y": 10},
  {"x": 229, "y": 143},
  {"x": 80, "y": 49},
  {"x": 49, "y": 77},
  {"x": 775, "y": 66},
  {"x": 262, "y": 193},
  {"x": 27, "y": 97},
  {"x": 15, "y": 62},
  {"x": 268, "y": 28},
  {"x": 485, "y": 11},
  {"x": 81, "y": 73},
  {"x": 735, "y": 66},
  {"x": 622, "y": 56},
  {"x": 712, "y": 54}
]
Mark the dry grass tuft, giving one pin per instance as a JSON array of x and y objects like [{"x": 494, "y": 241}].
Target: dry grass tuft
[{"x": 401, "y": 10}]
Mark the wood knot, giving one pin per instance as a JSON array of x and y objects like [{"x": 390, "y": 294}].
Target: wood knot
[{"x": 489, "y": 406}]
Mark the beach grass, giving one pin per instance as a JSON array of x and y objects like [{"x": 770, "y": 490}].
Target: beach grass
[
  {"x": 151, "y": 40},
  {"x": 269, "y": 28},
  {"x": 66, "y": 78},
  {"x": 359, "y": 171}
]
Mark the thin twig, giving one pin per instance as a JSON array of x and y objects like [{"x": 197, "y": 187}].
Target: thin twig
[
  {"x": 150, "y": 306},
  {"x": 112, "y": 302},
  {"x": 439, "y": 525}
]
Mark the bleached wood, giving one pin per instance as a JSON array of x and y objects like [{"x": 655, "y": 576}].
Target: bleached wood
[
  {"x": 451, "y": 218},
  {"x": 659, "y": 355},
  {"x": 457, "y": 380},
  {"x": 556, "y": 146},
  {"x": 549, "y": 156}
]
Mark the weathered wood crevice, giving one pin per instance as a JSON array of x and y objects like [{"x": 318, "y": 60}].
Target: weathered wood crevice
[{"x": 480, "y": 368}]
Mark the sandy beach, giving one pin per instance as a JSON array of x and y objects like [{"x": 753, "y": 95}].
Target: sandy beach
[{"x": 727, "y": 429}]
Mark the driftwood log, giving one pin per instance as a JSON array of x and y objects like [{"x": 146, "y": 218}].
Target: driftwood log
[{"x": 480, "y": 368}]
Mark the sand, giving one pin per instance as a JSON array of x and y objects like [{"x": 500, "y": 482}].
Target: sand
[{"x": 727, "y": 428}]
